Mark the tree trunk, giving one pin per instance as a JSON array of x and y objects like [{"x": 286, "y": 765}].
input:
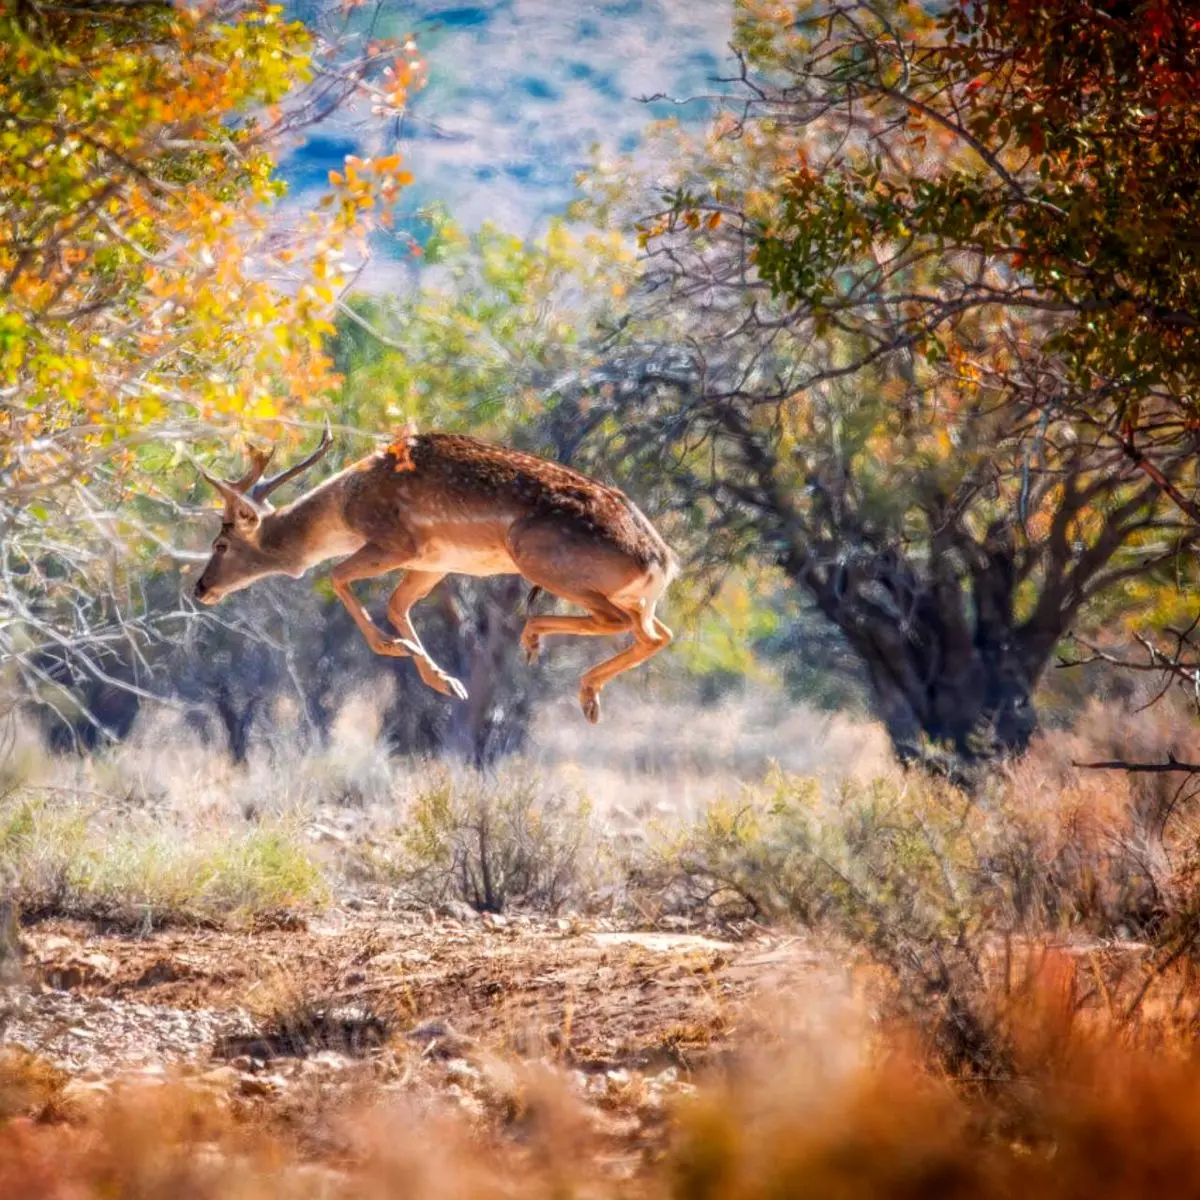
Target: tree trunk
[{"x": 951, "y": 671}]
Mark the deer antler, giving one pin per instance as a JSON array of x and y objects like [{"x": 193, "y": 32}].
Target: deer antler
[
  {"x": 228, "y": 491},
  {"x": 261, "y": 490},
  {"x": 251, "y": 485},
  {"x": 258, "y": 464}
]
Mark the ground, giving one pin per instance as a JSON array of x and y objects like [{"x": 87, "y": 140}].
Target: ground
[{"x": 429, "y": 1006}]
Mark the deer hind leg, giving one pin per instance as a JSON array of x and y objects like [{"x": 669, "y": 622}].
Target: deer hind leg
[
  {"x": 595, "y": 624},
  {"x": 618, "y": 592},
  {"x": 414, "y": 586},
  {"x": 650, "y": 636}
]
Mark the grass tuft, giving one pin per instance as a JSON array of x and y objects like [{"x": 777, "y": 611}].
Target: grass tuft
[{"x": 69, "y": 856}]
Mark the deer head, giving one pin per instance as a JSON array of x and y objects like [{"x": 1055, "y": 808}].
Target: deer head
[{"x": 238, "y": 555}]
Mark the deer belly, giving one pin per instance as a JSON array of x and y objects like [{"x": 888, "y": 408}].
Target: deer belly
[{"x": 463, "y": 559}]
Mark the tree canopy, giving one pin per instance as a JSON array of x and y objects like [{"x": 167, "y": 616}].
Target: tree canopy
[
  {"x": 939, "y": 371},
  {"x": 154, "y": 290}
]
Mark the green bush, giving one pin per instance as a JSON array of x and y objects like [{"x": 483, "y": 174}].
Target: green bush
[{"x": 65, "y": 855}]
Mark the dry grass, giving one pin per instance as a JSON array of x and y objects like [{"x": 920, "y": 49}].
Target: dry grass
[
  {"x": 66, "y": 855},
  {"x": 1030, "y": 952},
  {"x": 1087, "y": 1114},
  {"x": 135, "y": 836}
]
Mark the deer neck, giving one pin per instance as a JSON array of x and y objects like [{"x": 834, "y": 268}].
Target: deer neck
[{"x": 308, "y": 531}]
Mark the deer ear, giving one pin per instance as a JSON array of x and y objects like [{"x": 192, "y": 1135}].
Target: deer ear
[{"x": 245, "y": 517}]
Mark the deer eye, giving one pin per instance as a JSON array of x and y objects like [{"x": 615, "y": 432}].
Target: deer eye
[{"x": 220, "y": 547}]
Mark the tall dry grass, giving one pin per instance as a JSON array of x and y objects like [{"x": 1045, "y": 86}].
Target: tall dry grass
[{"x": 163, "y": 827}]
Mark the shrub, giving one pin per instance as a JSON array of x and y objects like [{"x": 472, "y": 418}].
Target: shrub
[
  {"x": 68, "y": 855},
  {"x": 492, "y": 842},
  {"x": 934, "y": 884}
]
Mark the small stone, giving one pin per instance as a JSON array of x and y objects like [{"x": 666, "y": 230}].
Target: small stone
[
  {"x": 331, "y": 1060},
  {"x": 220, "y": 1078},
  {"x": 461, "y": 1070},
  {"x": 458, "y": 910},
  {"x": 439, "y": 1039}
]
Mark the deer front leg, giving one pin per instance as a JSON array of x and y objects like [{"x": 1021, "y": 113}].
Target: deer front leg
[
  {"x": 365, "y": 564},
  {"x": 414, "y": 586}
]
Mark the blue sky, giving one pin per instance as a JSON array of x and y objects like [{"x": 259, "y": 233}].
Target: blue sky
[{"x": 520, "y": 91}]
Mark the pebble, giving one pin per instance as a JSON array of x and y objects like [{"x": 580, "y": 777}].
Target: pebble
[{"x": 458, "y": 910}]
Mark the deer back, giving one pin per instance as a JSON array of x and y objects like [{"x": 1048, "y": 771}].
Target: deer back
[{"x": 455, "y": 486}]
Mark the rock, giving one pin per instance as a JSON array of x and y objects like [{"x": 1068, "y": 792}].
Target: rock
[
  {"x": 79, "y": 970},
  {"x": 261, "y": 1085},
  {"x": 221, "y": 1079},
  {"x": 331, "y": 1060},
  {"x": 323, "y": 833},
  {"x": 495, "y": 920},
  {"x": 462, "y": 1071},
  {"x": 458, "y": 910},
  {"x": 439, "y": 1039}
]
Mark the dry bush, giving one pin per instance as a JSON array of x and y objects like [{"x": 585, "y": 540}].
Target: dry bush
[
  {"x": 491, "y": 842},
  {"x": 1111, "y": 1124},
  {"x": 936, "y": 885}
]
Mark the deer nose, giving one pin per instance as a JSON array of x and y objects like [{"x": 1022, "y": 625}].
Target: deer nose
[{"x": 200, "y": 590}]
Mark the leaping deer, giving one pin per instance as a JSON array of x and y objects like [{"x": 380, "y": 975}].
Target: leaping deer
[{"x": 436, "y": 503}]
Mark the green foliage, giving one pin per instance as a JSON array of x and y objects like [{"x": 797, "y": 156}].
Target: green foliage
[
  {"x": 1054, "y": 145},
  {"x": 65, "y": 856},
  {"x": 479, "y": 344}
]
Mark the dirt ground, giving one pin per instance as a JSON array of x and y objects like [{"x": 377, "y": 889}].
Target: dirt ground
[{"x": 432, "y": 1008}]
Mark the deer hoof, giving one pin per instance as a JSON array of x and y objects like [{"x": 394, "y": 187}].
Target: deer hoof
[
  {"x": 589, "y": 701},
  {"x": 441, "y": 682}
]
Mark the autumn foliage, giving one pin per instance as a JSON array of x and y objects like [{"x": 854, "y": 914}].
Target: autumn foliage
[
  {"x": 153, "y": 289},
  {"x": 1052, "y": 144}
]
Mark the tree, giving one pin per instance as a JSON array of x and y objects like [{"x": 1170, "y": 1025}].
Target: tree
[
  {"x": 152, "y": 293},
  {"x": 1064, "y": 174},
  {"x": 901, "y": 390}
]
